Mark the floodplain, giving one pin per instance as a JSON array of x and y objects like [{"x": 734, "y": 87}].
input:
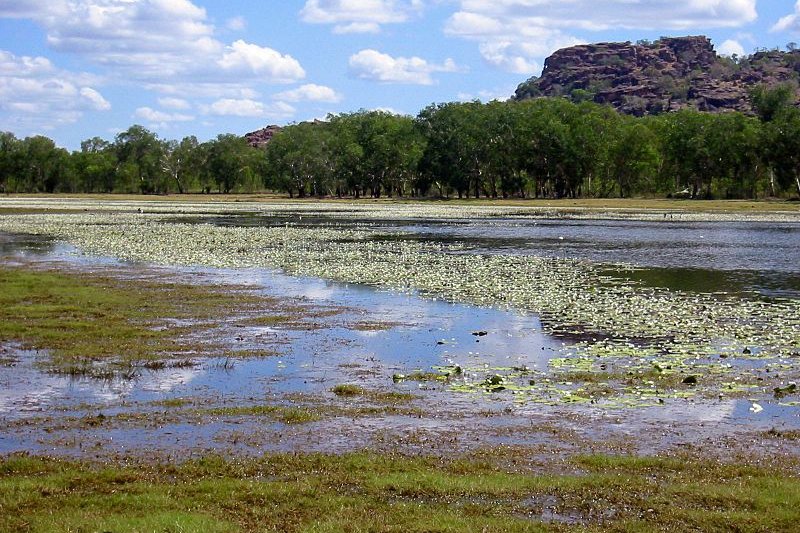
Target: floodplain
[{"x": 423, "y": 367}]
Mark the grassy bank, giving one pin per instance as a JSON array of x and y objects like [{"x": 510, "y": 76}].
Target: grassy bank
[
  {"x": 367, "y": 492},
  {"x": 99, "y": 325}
]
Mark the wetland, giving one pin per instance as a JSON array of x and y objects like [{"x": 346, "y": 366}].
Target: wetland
[{"x": 424, "y": 366}]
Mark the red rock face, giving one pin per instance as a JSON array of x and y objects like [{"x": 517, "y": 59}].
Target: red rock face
[
  {"x": 262, "y": 137},
  {"x": 667, "y": 75}
]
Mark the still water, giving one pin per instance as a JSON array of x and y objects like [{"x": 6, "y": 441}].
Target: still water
[{"x": 760, "y": 260}]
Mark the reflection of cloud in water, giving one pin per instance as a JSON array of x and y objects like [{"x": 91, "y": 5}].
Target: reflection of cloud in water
[
  {"x": 368, "y": 333},
  {"x": 28, "y": 389},
  {"x": 39, "y": 391},
  {"x": 317, "y": 291}
]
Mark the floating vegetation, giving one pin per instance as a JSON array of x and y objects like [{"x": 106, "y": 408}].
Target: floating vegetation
[{"x": 658, "y": 343}]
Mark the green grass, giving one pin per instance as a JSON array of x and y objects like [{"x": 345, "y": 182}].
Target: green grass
[
  {"x": 348, "y": 390},
  {"x": 83, "y": 320},
  {"x": 287, "y": 415},
  {"x": 371, "y": 492}
]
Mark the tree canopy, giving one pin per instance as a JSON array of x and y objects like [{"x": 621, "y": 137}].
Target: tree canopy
[{"x": 542, "y": 148}]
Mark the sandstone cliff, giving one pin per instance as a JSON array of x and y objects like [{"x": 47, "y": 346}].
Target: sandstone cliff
[
  {"x": 261, "y": 137},
  {"x": 666, "y": 75}
]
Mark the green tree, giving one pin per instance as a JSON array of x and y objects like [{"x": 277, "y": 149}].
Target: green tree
[
  {"x": 139, "y": 154},
  {"x": 234, "y": 164},
  {"x": 95, "y": 165},
  {"x": 10, "y": 161},
  {"x": 182, "y": 162},
  {"x": 782, "y": 146}
]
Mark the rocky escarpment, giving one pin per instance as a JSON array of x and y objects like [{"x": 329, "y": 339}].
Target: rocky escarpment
[
  {"x": 665, "y": 75},
  {"x": 262, "y": 137}
]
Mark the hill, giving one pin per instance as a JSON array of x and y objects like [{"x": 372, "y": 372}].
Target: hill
[{"x": 665, "y": 75}]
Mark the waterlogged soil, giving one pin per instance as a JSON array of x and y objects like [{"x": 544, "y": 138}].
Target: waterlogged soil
[{"x": 432, "y": 374}]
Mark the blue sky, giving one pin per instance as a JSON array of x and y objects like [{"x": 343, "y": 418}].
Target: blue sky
[{"x": 75, "y": 69}]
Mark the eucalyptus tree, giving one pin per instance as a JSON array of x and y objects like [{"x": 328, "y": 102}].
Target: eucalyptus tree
[
  {"x": 454, "y": 146},
  {"x": 391, "y": 148},
  {"x": 139, "y": 155},
  {"x": 299, "y": 158},
  {"x": 633, "y": 158},
  {"x": 736, "y": 158},
  {"x": 347, "y": 156},
  {"x": 782, "y": 146},
  {"x": 11, "y": 161},
  {"x": 233, "y": 164},
  {"x": 182, "y": 162},
  {"x": 544, "y": 149},
  {"x": 44, "y": 166},
  {"x": 95, "y": 165}
]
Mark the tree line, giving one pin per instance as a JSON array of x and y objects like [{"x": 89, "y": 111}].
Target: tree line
[{"x": 541, "y": 148}]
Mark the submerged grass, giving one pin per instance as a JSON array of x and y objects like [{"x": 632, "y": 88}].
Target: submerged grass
[
  {"x": 371, "y": 492},
  {"x": 99, "y": 326}
]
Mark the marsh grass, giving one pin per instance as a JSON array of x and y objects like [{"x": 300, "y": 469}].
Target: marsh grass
[
  {"x": 285, "y": 414},
  {"x": 374, "y": 492},
  {"x": 104, "y": 327},
  {"x": 348, "y": 390}
]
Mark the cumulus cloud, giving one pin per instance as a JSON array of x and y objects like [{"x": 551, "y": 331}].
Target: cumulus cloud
[
  {"x": 791, "y": 22},
  {"x": 36, "y": 95},
  {"x": 376, "y": 66},
  {"x": 153, "y": 41},
  {"x": 358, "y": 16},
  {"x": 242, "y": 58},
  {"x": 731, "y": 48},
  {"x": 311, "y": 93},
  {"x": 250, "y": 108},
  {"x": 516, "y": 35}
]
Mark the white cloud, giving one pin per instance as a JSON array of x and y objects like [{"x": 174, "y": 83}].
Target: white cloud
[
  {"x": 310, "y": 92},
  {"x": 376, "y": 66},
  {"x": 358, "y": 16},
  {"x": 638, "y": 14},
  {"x": 250, "y": 108},
  {"x": 242, "y": 58},
  {"x": 516, "y": 35},
  {"x": 154, "y": 42},
  {"x": 188, "y": 89},
  {"x": 357, "y": 27},
  {"x": 790, "y": 23},
  {"x": 174, "y": 103},
  {"x": 160, "y": 117},
  {"x": 35, "y": 95},
  {"x": 731, "y": 48},
  {"x": 500, "y": 94},
  {"x": 98, "y": 102},
  {"x": 236, "y": 23}
]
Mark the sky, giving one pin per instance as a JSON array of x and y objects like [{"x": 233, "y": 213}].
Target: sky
[{"x": 77, "y": 69}]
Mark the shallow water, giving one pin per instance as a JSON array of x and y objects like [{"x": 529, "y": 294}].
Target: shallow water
[
  {"x": 760, "y": 257},
  {"x": 756, "y": 258}
]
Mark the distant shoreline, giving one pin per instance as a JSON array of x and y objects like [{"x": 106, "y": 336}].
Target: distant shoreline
[{"x": 646, "y": 204}]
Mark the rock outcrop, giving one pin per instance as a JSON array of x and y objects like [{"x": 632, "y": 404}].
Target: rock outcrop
[
  {"x": 666, "y": 75},
  {"x": 262, "y": 137}
]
